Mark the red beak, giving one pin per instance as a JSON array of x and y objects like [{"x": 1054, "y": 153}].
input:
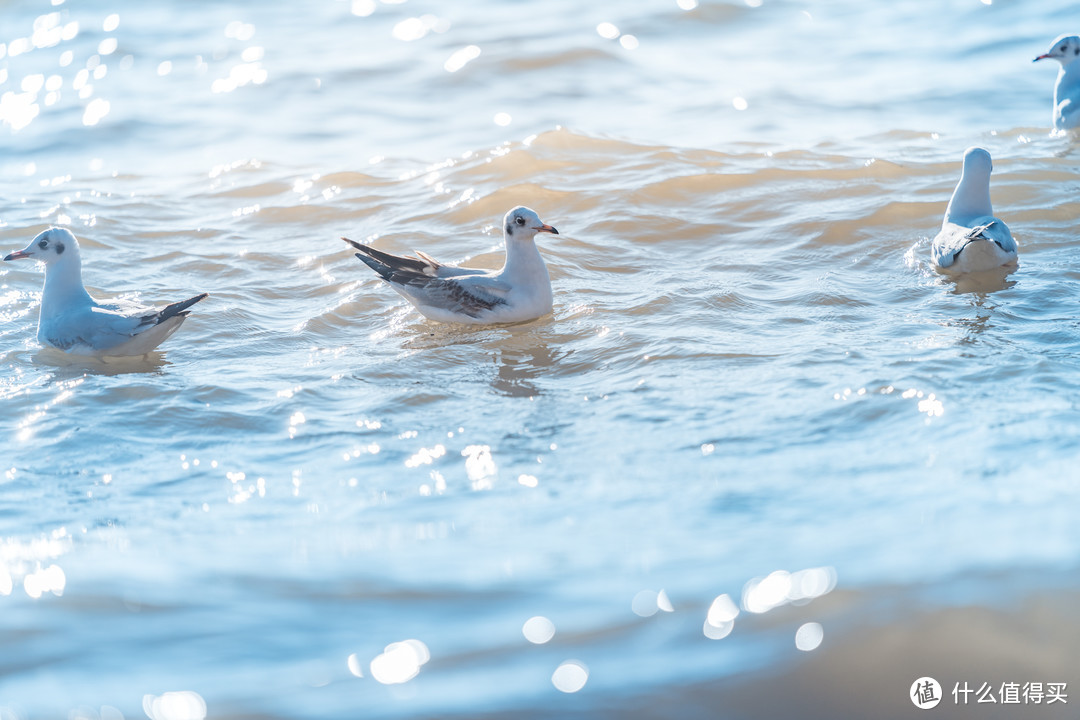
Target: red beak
[
  {"x": 17, "y": 255},
  {"x": 547, "y": 228},
  {"x": 1044, "y": 56}
]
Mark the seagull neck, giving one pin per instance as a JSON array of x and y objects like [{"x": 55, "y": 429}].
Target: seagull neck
[
  {"x": 523, "y": 259},
  {"x": 63, "y": 286},
  {"x": 1068, "y": 80},
  {"x": 970, "y": 200}
]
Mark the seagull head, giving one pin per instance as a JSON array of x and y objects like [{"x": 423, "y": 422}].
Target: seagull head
[
  {"x": 1066, "y": 49},
  {"x": 50, "y": 247},
  {"x": 521, "y": 223},
  {"x": 977, "y": 163}
]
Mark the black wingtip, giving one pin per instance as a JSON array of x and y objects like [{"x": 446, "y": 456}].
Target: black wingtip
[
  {"x": 358, "y": 246},
  {"x": 380, "y": 269},
  {"x": 185, "y": 304},
  {"x": 179, "y": 308}
]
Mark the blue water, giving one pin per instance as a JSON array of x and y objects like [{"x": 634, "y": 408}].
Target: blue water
[{"x": 750, "y": 367}]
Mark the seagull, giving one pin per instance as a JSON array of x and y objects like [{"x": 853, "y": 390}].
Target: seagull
[
  {"x": 519, "y": 292},
  {"x": 1066, "y": 50},
  {"x": 74, "y": 322},
  {"x": 971, "y": 238}
]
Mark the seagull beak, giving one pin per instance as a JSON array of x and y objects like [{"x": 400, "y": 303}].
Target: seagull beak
[
  {"x": 1044, "y": 56},
  {"x": 17, "y": 255},
  {"x": 546, "y": 228}
]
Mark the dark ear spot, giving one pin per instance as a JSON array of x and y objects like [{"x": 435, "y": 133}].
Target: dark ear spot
[
  {"x": 59, "y": 248},
  {"x": 509, "y": 228}
]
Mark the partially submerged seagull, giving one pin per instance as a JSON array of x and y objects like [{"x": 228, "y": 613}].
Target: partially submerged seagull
[
  {"x": 520, "y": 291},
  {"x": 971, "y": 238},
  {"x": 74, "y": 322},
  {"x": 1066, "y": 50}
]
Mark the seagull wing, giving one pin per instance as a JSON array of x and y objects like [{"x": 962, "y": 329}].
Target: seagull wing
[
  {"x": 104, "y": 327},
  {"x": 954, "y": 238},
  {"x": 425, "y": 281},
  {"x": 472, "y": 295},
  {"x": 997, "y": 232}
]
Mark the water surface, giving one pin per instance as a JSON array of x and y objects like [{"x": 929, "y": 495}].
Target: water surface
[{"x": 750, "y": 366}]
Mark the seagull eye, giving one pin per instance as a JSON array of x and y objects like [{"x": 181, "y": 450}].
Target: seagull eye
[
  {"x": 521, "y": 221},
  {"x": 1063, "y": 47},
  {"x": 43, "y": 244}
]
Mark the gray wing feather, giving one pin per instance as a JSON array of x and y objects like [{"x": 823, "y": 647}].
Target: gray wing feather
[
  {"x": 66, "y": 343},
  {"x": 452, "y": 295},
  {"x": 110, "y": 325},
  {"x": 998, "y": 232},
  {"x": 950, "y": 243},
  {"x": 428, "y": 282}
]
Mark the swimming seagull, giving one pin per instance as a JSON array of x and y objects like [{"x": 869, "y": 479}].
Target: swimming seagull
[
  {"x": 73, "y": 321},
  {"x": 520, "y": 291},
  {"x": 971, "y": 238},
  {"x": 1066, "y": 50}
]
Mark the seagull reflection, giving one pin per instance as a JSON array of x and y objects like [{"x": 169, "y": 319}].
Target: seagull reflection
[
  {"x": 980, "y": 321},
  {"x": 987, "y": 281},
  {"x": 517, "y": 369},
  {"x": 973, "y": 327},
  {"x": 70, "y": 366}
]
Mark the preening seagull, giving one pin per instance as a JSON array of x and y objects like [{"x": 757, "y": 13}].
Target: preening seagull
[
  {"x": 520, "y": 291},
  {"x": 971, "y": 238},
  {"x": 74, "y": 322},
  {"x": 1066, "y": 50}
]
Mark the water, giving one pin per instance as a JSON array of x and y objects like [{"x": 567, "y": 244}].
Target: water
[{"x": 750, "y": 366}]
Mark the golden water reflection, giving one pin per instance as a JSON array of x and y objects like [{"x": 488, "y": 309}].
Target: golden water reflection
[
  {"x": 399, "y": 662},
  {"x": 180, "y": 705},
  {"x": 538, "y": 630},
  {"x": 29, "y": 563},
  {"x": 460, "y": 58},
  {"x": 762, "y": 594},
  {"x": 926, "y": 403},
  {"x": 570, "y": 676},
  {"x": 720, "y": 618},
  {"x": 647, "y": 603},
  {"x": 780, "y": 587},
  {"x": 27, "y": 425},
  {"x": 809, "y": 636},
  {"x": 46, "y": 580},
  {"x": 479, "y": 466},
  {"x": 20, "y": 108}
]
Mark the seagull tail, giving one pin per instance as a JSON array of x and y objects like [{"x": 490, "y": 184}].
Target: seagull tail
[
  {"x": 978, "y": 233},
  {"x": 178, "y": 308},
  {"x": 384, "y": 264}
]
